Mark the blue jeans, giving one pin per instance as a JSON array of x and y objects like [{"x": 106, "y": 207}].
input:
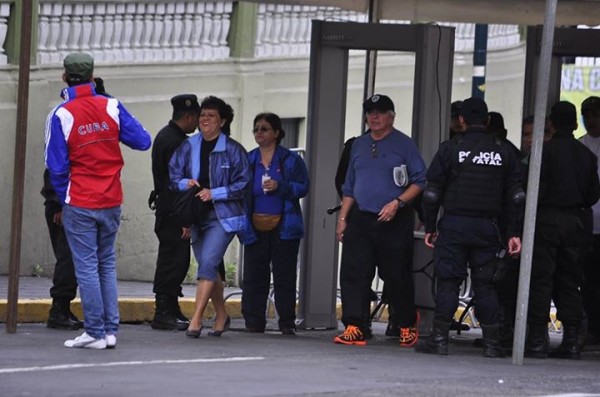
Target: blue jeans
[
  {"x": 91, "y": 234},
  {"x": 209, "y": 242}
]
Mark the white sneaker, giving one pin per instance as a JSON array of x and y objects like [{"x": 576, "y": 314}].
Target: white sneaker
[
  {"x": 111, "y": 341},
  {"x": 87, "y": 342}
]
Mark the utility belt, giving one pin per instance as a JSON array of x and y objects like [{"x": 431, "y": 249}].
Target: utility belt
[{"x": 472, "y": 214}]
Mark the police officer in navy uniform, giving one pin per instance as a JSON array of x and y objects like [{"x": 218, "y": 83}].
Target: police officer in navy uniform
[
  {"x": 569, "y": 186},
  {"x": 475, "y": 178},
  {"x": 174, "y": 247}
]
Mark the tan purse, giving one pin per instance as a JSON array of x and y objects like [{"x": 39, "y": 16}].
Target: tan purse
[{"x": 265, "y": 222}]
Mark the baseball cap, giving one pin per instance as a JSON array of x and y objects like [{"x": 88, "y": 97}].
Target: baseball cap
[
  {"x": 185, "y": 103},
  {"x": 474, "y": 109},
  {"x": 79, "y": 65},
  {"x": 383, "y": 103},
  {"x": 563, "y": 114},
  {"x": 496, "y": 124},
  {"x": 455, "y": 108},
  {"x": 591, "y": 103}
]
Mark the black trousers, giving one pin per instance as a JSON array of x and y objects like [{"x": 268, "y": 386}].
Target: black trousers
[
  {"x": 282, "y": 255},
  {"x": 557, "y": 271},
  {"x": 64, "y": 282},
  {"x": 590, "y": 289},
  {"x": 466, "y": 241},
  {"x": 508, "y": 289},
  {"x": 173, "y": 256},
  {"x": 387, "y": 247}
]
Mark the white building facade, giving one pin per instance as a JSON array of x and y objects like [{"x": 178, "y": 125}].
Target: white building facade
[{"x": 254, "y": 56}]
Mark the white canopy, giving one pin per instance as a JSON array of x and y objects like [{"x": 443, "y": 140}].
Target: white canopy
[{"x": 519, "y": 12}]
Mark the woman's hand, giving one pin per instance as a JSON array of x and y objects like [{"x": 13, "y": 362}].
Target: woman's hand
[
  {"x": 186, "y": 233},
  {"x": 192, "y": 182},
  {"x": 204, "y": 195},
  {"x": 269, "y": 185}
]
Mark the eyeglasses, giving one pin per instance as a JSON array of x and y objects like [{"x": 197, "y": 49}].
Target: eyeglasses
[
  {"x": 374, "y": 150},
  {"x": 261, "y": 129}
]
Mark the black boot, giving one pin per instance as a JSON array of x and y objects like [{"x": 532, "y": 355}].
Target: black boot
[
  {"x": 59, "y": 316},
  {"x": 165, "y": 314},
  {"x": 491, "y": 341},
  {"x": 538, "y": 341},
  {"x": 569, "y": 348},
  {"x": 437, "y": 343},
  {"x": 74, "y": 318},
  {"x": 180, "y": 315}
]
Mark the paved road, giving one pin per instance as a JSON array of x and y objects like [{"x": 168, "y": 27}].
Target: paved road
[{"x": 157, "y": 363}]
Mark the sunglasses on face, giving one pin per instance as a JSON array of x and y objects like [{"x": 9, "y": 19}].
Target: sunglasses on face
[{"x": 256, "y": 130}]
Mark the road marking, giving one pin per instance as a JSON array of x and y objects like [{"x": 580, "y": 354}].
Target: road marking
[
  {"x": 573, "y": 395},
  {"x": 125, "y": 363}
]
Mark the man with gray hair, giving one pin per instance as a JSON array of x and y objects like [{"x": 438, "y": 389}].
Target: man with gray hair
[{"x": 376, "y": 222}]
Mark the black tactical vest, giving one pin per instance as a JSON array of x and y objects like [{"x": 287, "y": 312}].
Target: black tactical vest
[{"x": 476, "y": 185}]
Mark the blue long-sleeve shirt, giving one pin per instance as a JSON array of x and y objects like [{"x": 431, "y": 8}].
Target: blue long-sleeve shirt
[{"x": 370, "y": 178}]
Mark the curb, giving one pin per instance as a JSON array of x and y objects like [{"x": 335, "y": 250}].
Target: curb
[
  {"x": 139, "y": 310},
  {"x": 131, "y": 310}
]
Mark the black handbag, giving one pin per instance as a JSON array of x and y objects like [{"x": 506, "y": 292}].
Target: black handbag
[{"x": 188, "y": 207}]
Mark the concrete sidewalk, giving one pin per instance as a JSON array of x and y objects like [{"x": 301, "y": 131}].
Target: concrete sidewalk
[{"x": 136, "y": 300}]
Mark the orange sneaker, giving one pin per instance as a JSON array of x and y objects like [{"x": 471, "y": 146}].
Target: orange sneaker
[
  {"x": 352, "y": 335},
  {"x": 410, "y": 335}
]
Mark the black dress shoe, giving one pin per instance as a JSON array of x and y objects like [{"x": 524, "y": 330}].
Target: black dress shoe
[
  {"x": 63, "y": 321},
  {"x": 193, "y": 333},
  {"x": 288, "y": 331},
  {"x": 218, "y": 333}
]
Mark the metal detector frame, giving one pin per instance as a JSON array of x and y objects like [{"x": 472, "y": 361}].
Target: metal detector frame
[{"x": 331, "y": 42}]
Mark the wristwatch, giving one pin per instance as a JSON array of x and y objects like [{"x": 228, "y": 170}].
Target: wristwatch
[{"x": 401, "y": 203}]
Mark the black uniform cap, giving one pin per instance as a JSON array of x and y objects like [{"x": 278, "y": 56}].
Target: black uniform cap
[
  {"x": 383, "y": 103},
  {"x": 455, "y": 108},
  {"x": 474, "y": 110},
  {"x": 185, "y": 103}
]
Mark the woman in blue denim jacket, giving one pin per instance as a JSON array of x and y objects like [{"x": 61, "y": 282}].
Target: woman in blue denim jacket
[
  {"x": 218, "y": 166},
  {"x": 274, "y": 226}
]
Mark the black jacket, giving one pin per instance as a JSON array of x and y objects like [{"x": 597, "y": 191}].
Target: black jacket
[
  {"x": 166, "y": 142},
  {"x": 446, "y": 167},
  {"x": 568, "y": 176}
]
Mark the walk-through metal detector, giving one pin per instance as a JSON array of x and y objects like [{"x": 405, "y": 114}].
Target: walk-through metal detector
[
  {"x": 330, "y": 44},
  {"x": 568, "y": 42}
]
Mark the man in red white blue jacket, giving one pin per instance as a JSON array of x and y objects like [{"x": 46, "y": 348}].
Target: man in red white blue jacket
[{"x": 84, "y": 159}]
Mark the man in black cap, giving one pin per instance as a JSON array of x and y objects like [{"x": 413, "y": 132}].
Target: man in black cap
[
  {"x": 569, "y": 186},
  {"x": 174, "y": 247},
  {"x": 376, "y": 222},
  {"x": 590, "y": 290},
  {"x": 475, "y": 177}
]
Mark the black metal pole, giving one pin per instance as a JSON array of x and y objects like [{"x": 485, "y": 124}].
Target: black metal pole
[
  {"x": 479, "y": 61},
  {"x": 19, "y": 168}
]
